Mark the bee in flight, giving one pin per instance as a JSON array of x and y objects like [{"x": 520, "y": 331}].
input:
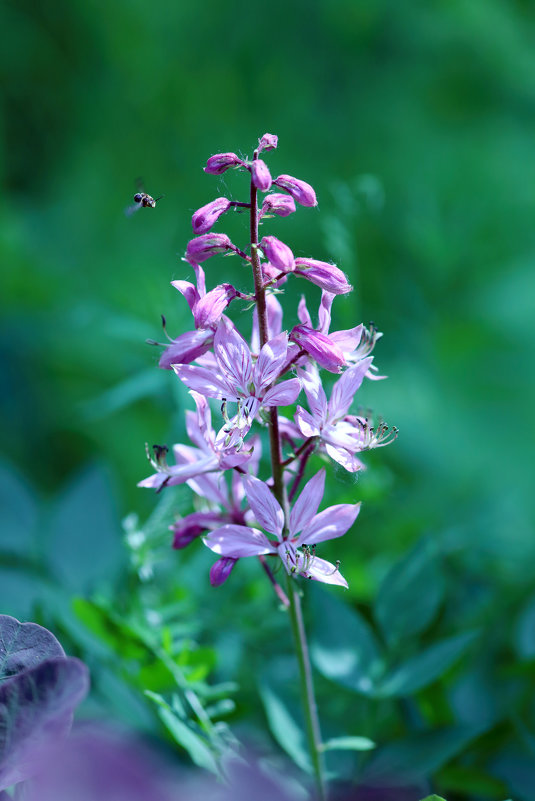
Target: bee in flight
[{"x": 142, "y": 199}]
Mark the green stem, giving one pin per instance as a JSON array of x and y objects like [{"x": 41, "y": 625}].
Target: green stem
[
  {"x": 294, "y": 610},
  {"x": 307, "y": 687}
]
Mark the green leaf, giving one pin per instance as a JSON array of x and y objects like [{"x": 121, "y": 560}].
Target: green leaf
[
  {"x": 343, "y": 647},
  {"x": 348, "y": 744},
  {"x": 418, "y": 755},
  {"x": 120, "y": 637},
  {"x": 282, "y": 723},
  {"x": 410, "y": 594},
  {"x": 85, "y": 543},
  {"x": 425, "y": 667},
  {"x": 433, "y": 798},
  {"x": 198, "y": 750}
]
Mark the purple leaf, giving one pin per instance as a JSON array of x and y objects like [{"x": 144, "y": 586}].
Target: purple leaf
[
  {"x": 24, "y": 646},
  {"x": 36, "y": 706}
]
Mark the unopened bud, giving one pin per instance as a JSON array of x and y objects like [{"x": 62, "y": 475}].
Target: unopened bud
[
  {"x": 221, "y": 162},
  {"x": 204, "y": 218},
  {"x": 319, "y": 346},
  {"x": 277, "y": 253},
  {"x": 276, "y": 203},
  {"x": 207, "y": 245},
  {"x": 261, "y": 175},
  {"x": 299, "y": 190},
  {"x": 221, "y": 570},
  {"x": 327, "y": 276},
  {"x": 268, "y": 142}
]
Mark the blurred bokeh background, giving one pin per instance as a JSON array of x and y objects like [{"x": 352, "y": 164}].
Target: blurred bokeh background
[{"x": 415, "y": 123}]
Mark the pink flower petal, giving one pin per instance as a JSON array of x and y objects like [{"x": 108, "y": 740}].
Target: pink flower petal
[
  {"x": 237, "y": 541},
  {"x": 203, "y": 380},
  {"x": 282, "y": 394},
  {"x": 306, "y": 506},
  {"x": 271, "y": 360},
  {"x": 307, "y": 424},
  {"x": 265, "y": 506},
  {"x": 345, "y": 388},
  {"x": 329, "y": 524},
  {"x": 321, "y": 570},
  {"x": 233, "y": 355}
]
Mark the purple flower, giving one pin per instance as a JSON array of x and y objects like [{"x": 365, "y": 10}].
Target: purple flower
[
  {"x": 212, "y": 452},
  {"x": 319, "y": 346},
  {"x": 221, "y": 162},
  {"x": 306, "y": 528},
  {"x": 341, "y": 435},
  {"x": 207, "y": 308},
  {"x": 221, "y": 570},
  {"x": 355, "y": 343},
  {"x": 205, "y": 217},
  {"x": 207, "y": 245},
  {"x": 327, "y": 276},
  {"x": 251, "y": 386},
  {"x": 299, "y": 190},
  {"x": 268, "y": 142},
  {"x": 275, "y": 203},
  {"x": 261, "y": 175},
  {"x": 277, "y": 253}
]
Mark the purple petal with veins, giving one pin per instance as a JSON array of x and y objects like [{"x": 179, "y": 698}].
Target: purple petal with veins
[
  {"x": 204, "y": 381},
  {"x": 265, "y": 506},
  {"x": 329, "y": 524},
  {"x": 306, "y": 506},
  {"x": 233, "y": 356},
  {"x": 238, "y": 541},
  {"x": 282, "y": 394}
]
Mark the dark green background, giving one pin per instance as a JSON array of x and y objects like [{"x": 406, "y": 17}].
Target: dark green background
[{"x": 415, "y": 123}]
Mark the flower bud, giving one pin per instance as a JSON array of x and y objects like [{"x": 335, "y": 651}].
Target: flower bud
[
  {"x": 327, "y": 276},
  {"x": 221, "y": 570},
  {"x": 299, "y": 190},
  {"x": 205, "y": 217},
  {"x": 221, "y": 162},
  {"x": 261, "y": 175},
  {"x": 319, "y": 346},
  {"x": 207, "y": 245},
  {"x": 277, "y": 253},
  {"x": 268, "y": 142},
  {"x": 276, "y": 203},
  {"x": 210, "y": 307}
]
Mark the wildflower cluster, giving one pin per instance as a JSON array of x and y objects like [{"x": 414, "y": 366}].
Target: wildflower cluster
[{"x": 243, "y": 515}]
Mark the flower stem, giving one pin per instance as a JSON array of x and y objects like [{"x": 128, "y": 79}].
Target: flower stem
[
  {"x": 296, "y": 616},
  {"x": 307, "y": 687}
]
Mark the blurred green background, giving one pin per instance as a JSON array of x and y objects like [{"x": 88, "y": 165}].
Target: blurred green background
[{"x": 415, "y": 123}]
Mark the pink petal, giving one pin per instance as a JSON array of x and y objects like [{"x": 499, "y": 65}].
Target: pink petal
[
  {"x": 186, "y": 348},
  {"x": 265, "y": 506},
  {"x": 348, "y": 339},
  {"x": 329, "y": 524},
  {"x": 308, "y": 425},
  {"x": 303, "y": 313},
  {"x": 350, "y": 461},
  {"x": 203, "y": 380},
  {"x": 345, "y": 388},
  {"x": 306, "y": 506},
  {"x": 236, "y": 541},
  {"x": 271, "y": 360},
  {"x": 188, "y": 290},
  {"x": 317, "y": 400},
  {"x": 321, "y": 570},
  {"x": 233, "y": 355},
  {"x": 282, "y": 394}
]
